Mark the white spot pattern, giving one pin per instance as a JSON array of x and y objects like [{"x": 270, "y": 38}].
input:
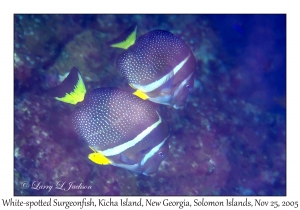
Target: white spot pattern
[
  {"x": 152, "y": 56},
  {"x": 109, "y": 116}
]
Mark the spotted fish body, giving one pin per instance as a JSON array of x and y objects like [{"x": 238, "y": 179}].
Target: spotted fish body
[
  {"x": 124, "y": 129},
  {"x": 160, "y": 65}
]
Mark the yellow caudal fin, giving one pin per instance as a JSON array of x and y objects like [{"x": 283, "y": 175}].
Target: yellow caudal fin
[
  {"x": 126, "y": 40},
  {"x": 141, "y": 94},
  {"x": 98, "y": 158},
  {"x": 72, "y": 90}
]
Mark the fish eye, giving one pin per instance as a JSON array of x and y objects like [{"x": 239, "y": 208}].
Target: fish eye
[
  {"x": 161, "y": 154},
  {"x": 189, "y": 87}
]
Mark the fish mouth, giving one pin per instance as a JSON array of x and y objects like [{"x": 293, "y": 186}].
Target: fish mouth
[
  {"x": 178, "y": 103},
  {"x": 149, "y": 174},
  {"x": 176, "y": 106}
]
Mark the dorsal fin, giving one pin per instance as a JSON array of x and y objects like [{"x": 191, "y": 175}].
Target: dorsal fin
[
  {"x": 126, "y": 40},
  {"x": 72, "y": 90}
]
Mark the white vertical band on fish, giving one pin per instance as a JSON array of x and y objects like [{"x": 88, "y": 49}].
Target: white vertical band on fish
[
  {"x": 154, "y": 85},
  {"x": 152, "y": 152},
  {"x": 182, "y": 85},
  {"x": 120, "y": 148},
  {"x": 127, "y": 166}
]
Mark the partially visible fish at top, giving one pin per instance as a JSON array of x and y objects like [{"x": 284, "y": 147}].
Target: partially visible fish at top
[{"x": 159, "y": 65}]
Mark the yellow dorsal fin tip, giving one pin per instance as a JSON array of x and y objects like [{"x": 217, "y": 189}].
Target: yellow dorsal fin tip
[
  {"x": 77, "y": 95},
  {"x": 129, "y": 41}
]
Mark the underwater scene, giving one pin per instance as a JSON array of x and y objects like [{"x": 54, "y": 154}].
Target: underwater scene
[{"x": 152, "y": 104}]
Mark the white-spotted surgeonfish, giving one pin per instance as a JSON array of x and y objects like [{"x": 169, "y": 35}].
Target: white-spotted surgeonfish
[
  {"x": 121, "y": 129},
  {"x": 159, "y": 65}
]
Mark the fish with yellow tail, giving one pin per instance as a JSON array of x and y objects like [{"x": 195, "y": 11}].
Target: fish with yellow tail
[
  {"x": 121, "y": 129},
  {"x": 158, "y": 65}
]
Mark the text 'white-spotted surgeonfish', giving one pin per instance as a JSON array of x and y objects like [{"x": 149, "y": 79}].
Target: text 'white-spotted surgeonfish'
[
  {"x": 159, "y": 65},
  {"x": 121, "y": 129}
]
